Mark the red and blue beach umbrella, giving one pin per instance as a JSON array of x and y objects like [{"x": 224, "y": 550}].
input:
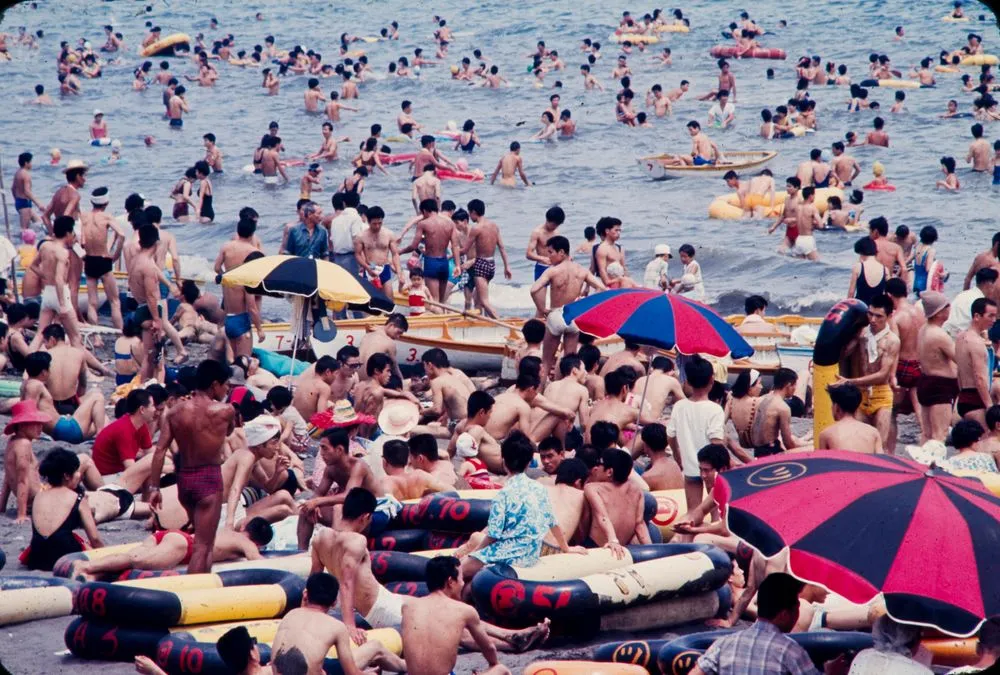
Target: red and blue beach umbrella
[
  {"x": 657, "y": 319},
  {"x": 861, "y": 525}
]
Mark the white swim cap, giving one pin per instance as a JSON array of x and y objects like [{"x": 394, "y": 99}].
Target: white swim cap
[{"x": 466, "y": 446}]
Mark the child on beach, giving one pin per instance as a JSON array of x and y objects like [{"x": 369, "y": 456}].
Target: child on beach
[{"x": 416, "y": 293}]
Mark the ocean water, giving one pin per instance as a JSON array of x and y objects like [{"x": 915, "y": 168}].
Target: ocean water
[{"x": 591, "y": 176}]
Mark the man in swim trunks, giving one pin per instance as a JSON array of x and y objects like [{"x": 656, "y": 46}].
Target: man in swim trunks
[
  {"x": 979, "y": 154},
  {"x": 144, "y": 284},
  {"x": 907, "y": 320},
  {"x": 176, "y": 107},
  {"x": 566, "y": 280},
  {"x": 878, "y": 352},
  {"x": 52, "y": 265},
  {"x": 844, "y": 167},
  {"x": 538, "y": 249},
  {"x": 74, "y": 428},
  {"x": 510, "y": 166},
  {"x": 98, "y": 262},
  {"x": 704, "y": 151},
  {"x": 975, "y": 361},
  {"x": 21, "y": 190},
  {"x": 616, "y": 504},
  {"x": 242, "y": 310},
  {"x": 437, "y": 233},
  {"x": 938, "y": 384},
  {"x": 199, "y": 425},
  {"x": 806, "y": 220},
  {"x": 485, "y": 239},
  {"x": 167, "y": 549},
  {"x": 377, "y": 252},
  {"x": 68, "y": 380}
]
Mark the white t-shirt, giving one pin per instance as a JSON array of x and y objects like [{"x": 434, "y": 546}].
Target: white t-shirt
[
  {"x": 871, "y": 662},
  {"x": 656, "y": 273},
  {"x": 695, "y": 424},
  {"x": 343, "y": 231},
  {"x": 720, "y": 113}
]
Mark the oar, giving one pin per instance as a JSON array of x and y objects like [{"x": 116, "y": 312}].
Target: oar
[{"x": 470, "y": 315}]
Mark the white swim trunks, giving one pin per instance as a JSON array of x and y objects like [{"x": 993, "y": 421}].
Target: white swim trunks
[
  {"x": 50, "y": 300},
  {"x": 387, "y": 612},
  {"x": 270, "y": 180},
  {"x": 558, "y": 326},
  {"x": 804, "y": 245}
]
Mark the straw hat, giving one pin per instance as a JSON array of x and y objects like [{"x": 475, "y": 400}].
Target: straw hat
[
  {"x": 25, "y": 412},
  {"x": 398, "y": 417},
  {"x": 75, "y": 164}
]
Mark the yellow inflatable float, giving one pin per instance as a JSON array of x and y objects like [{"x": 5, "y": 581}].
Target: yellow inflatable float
[
  {"x": 981, "y": 60},
  {"x": 634, "y": 38},
  {"x": 168, "y": 46},
  {"x": 264, "y": 632},
  {"x": 583, "y": 668},
  {"x": 30, "y": 598},
  {"x": 673, "y": 28},
  {"x": 727, "y": 207},
  {"x": 948, "y": 18}
]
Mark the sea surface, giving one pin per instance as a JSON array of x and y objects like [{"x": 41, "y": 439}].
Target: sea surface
[{"x": 591, "y": 176}]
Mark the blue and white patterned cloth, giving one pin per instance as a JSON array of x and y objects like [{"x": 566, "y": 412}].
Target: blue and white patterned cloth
[
  {"x": 761, "y": 649},
  {"x": 520, "y": 517}
]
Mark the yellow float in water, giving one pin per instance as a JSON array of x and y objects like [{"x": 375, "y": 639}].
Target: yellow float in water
[
  {"x": 899, "y": 84},
  {"x": 727, "y": 207},
  {"x": 948, "y": 18},
  {"x": 946, "y": 69},
  {"x": 673, "y": 28},
  {"x": 981, "y": 60},
  {"x": 168, "y": 45},
  {"x": 634, "y": 38}
]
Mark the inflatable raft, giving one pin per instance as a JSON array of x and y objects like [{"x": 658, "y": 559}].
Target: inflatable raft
[
  {"x": 168, "y": 46},
  {"x": 397, "y": 158},
  {"x": 466, "y": 176},
  {"x": 731, "y": 51},
  {"x": 582, "y": 668},
  {"x": 634, "y": 38},
  {"x": 672, "y": 28},
  {"x": 24, "y": 598},
  {"x": 727, "y": 207},
  {"x": 981, "y": 60},
  {"x": 893, "y": 84},
  {"x": 575, "y": 592}
]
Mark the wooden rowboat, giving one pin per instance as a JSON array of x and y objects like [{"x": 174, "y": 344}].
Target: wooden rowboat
[{"x": 655, "y": 167}]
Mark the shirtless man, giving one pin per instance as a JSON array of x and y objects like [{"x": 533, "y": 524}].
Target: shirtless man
[
  {"x": 906, "y": 320},
  {"x": 972, "y": 359},
  {"x": 479, "y": 411},
  {"x": 406, "y": 117},
  {"x": 313, "y": 392},
  {"x": 979, "y": 154},
  {"x": 815, "y": 171},
  {"x": 199, "y": 425},
  {"x": 343, "y": 471},
  {"x": 68, "y": 381},
  {"x": 485, "y": 239},
  {"x": 938, "y": 384},
  {"x": 450, "y": 389},
  {"x": 987, "y": 258},
  {"x": 510, "y": 166},
  {"x": 425, "y": 456},
  {"x": 328, "y": 151},
  {"x": 371, "y": 394},
  {"x": 616, "y": 504},
  {"x": 144, "y": 284},
  {"x": 566, "y": 279},
  {"x": 73, "y": 427},
  {"x": 846, "y": 432},
  {"x": 513, "y": 410},
  {"x": 66, "y": 200},
  {"x": 877, "y": 353},
  {"x": 612, "y": 408},
  {"x": 52, "y": 265},
  {"x": 426, "y": 186},
  {"x": 771, "y": 430},
  {"x": 703, "y": 149},
  {"x": 789, "y": 215},
  {"x": 663, "y": 472},
  {"x": 569, "y": 506},
  {"x": 888, "y": 252},
  {"x": 383, "y": 340},
  {"x": 403, "y": 481},
  {"x": 538, "y": 248},
  {"x": 569, "y": 393},
  {"x": 23, "y": 195},
  {"x": 844, "y": 167},
  {"x": 176, "y": 107},
  {"x": 438, "y": 233},
  {"x": 608, "y": 251},
  {"x": 429, "y": 154},
  {"x": 313, "y": 96},
  {"x": 660, "y": 103},
  {"x": 306, "y": 634},
  {"x": 98, "y": 262},
  {"x": 807, "y": 219},
  {"x": 242, "y": 310},
  {"x": 377, "y": 252},
  {"x": 661, "y": 389},
  {"x": 629, "y": 356}
]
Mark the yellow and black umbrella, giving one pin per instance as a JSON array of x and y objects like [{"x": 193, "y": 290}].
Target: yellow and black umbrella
[{"x": 306, "y": 277}]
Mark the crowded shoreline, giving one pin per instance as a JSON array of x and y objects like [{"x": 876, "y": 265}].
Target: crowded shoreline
[{"x": 147, "y": 409}]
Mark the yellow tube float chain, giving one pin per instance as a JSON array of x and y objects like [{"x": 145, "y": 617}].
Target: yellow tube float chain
[
  {"x": 30, "y": 598},
  {"x": 841, "y": 325},
  {"x": 727, "y": 207}
]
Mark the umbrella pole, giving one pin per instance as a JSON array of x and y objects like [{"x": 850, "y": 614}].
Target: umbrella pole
[
  {"x": 642, "y": 401},
  {"x": 295, "y": 341}
]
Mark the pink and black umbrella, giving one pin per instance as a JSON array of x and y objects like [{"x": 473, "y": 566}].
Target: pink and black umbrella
[
  {"x": 657, "y": 319},
  {"x": 861, "y": 525}
]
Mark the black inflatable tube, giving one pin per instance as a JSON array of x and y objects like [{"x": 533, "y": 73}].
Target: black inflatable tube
[
  {"x": 841, "y": 325},
  {"x": 679, "y": 656},
  {"x": 180, "y": 656},
  {"x": 130, "y": 605},
  {"x": 637, "y": 652},
  {"x": 406, "y": 540},
  {"x": 414, "y": 589},
  {"x": 390, "y": 566},
  {"x": 869, "y": 83},
  {"x": 93, "y": 639},
  {"x": 444, "y": 513},
  {"x": 498, "y": 592}
]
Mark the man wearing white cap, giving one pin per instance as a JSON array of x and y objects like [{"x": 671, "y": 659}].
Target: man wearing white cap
[
  {"x": 656, "y": 271},
  {"x": 98, "y": 262},
  {"x": 263, "y": 436}
]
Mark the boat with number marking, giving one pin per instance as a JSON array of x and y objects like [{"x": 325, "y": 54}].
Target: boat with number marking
[{"x": 657, "y": 168}]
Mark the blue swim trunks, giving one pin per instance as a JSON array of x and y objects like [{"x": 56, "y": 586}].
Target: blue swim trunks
[
  {"x": 237, "y": 325},
  {"x": 436, "y": 268},
  {"x": 121, "y": 379},
  {"x": 996, "y": 175},
  {"x": 67, "y": 430},
  {"x": 540, "y": 270},
  {"x": 21, "y": 203},
  {"x": 177, "y": 122},
  {"x": 701, "y": 161}
]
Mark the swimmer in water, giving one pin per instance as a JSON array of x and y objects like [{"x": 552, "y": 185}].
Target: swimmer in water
[
  {"x": 950, "y": 181},
  {"x": 41, "y": 98},
  {"x": 510, "y": 165},
  {"x": 589, "y": 81},
  {"x": 952, "y": 110}
]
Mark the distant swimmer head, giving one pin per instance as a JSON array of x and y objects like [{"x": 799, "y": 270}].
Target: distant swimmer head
[
  {"x": 55, "y": 154},
  {"x": 149, "y": 140},
  {"x": 878, "y": 169}
]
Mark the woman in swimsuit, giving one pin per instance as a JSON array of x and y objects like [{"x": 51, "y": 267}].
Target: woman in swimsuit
[
  {"x": 17, "y": 346},
  {"x": 206, "y": 214},
  {"x": 868, "y": 276},
  {"x": 355, "y": 182},
  {"x": 57, "y": 512},
  {"x": 181, "y": 194},
  {"x": 468, "y": 139},
  {"x": 128, "y": 354},
  {"x": 369, "y": 157},
  {"x": 742, "y": 405}
]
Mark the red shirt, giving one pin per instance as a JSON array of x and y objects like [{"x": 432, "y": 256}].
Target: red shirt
[{"x": 118, "y": 442}]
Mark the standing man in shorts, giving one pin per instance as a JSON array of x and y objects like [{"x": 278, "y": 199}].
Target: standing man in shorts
[
  {"x": 538, "y": 250},
  {"x": 242, "y": 311},
  {"x": 485, "y": 239},
  {"x": 879, "y": 354},
  {"x": 200, "y": 426},
  {"x": 437, "y": 233},
  {"x": 377, "y": 252},
  {"x": 21, "y": 189},
  {"x": 975, "y": 360},
  {"x": 52, "y": 265},
  {"x": 906, "y": 320},
  {"x": 98, "y": 263},
  {"x": 938, "y": 384},
  {"x": 144, "y": 284},
  {"x": 566, "y": 280},
  {"x": 694, "y": 423}
]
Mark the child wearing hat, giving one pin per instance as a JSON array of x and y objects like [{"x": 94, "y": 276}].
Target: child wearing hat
[{"x": 20, "y": 464}]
